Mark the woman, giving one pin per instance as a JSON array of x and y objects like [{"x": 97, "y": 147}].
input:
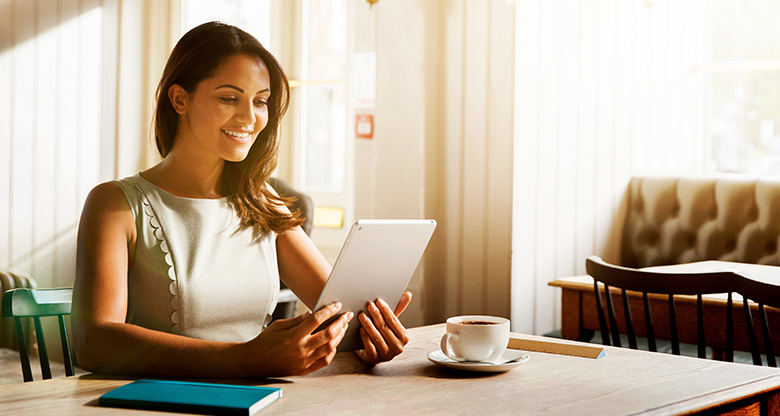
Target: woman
[{"x": 178, "y": 267}]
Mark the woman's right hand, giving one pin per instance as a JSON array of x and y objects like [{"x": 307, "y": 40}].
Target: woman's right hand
[{"x": 291, "y": 347}]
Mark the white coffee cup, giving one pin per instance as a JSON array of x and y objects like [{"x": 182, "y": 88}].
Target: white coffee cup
[{"x": 475, "y": 338}]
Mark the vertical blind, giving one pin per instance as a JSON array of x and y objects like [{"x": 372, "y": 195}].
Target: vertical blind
[
  {"x": 605, "y": 90},
  {"x": 57, "y": 127}
]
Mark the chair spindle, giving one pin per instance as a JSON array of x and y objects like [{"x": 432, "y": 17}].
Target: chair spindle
[
  {"x": 42, "y": 352},
  {"x": 673, "y": 327},
  {"x": 700, "y": 327},
  {"x": 729, "y": 329},
  {"x": 68, "y": 360},
  {"x": 613, "y": 326},
  {"x": 629, "y": 321},
  {"x": 600, "y": 312},
  {"x": 24, "y": 356},
  {"x": 649, "y": 323},
  {"x": 770, "y": 352},
  {"x": 752, "y": 334}
]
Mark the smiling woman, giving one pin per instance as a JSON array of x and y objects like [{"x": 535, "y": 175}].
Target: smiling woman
[
  {"x": 178, "y": 266},
  {"x": 196, "y": 86}
]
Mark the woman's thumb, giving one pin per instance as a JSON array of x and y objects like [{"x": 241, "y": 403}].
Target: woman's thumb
[{"x": 292, "y": 322}]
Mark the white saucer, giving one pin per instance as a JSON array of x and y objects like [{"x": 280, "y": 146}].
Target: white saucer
[{"x": 510, "y": 359}]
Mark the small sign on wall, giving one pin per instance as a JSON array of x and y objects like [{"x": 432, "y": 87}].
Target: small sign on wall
[{"x": 364, "y": 126}]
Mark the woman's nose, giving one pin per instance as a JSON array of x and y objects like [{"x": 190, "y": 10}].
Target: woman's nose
[{"x": 246, "y": 113}]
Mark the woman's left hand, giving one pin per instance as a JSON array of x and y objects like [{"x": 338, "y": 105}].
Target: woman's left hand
[{"x": 383, "y": 335}]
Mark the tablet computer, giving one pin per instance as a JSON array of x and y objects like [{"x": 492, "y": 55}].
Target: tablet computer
[{"x": 377, "y": 260}]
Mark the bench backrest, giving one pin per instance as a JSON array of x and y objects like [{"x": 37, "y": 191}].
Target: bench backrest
[{"x": 673, "y": 220}]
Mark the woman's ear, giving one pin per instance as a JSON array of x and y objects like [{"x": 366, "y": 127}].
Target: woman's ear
[{"x": 178, "y": 97}]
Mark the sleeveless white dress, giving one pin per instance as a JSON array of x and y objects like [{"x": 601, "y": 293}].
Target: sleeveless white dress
[{"x": 196, "y": 271}]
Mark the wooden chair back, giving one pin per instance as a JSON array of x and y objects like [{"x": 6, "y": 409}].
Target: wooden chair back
[
  {"x": 669, "y": 284},
  {"x": 36, "y": 303},
  {"x": 764, "y": 294}
]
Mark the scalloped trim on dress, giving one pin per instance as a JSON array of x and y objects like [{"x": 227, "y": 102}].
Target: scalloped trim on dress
[{"x": 158, "y": 233}]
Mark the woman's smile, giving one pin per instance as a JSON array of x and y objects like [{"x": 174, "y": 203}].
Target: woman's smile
[{"x": 240, "y": 136}]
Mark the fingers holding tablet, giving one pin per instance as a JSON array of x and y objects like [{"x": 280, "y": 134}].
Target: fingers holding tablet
[
  {"x": 390, "y": 327},
  {"x": 405, "y": 300},
  {"x": 384, "y": 337},
  {"x": 327, "y": 322},
  {"x": 290, "y": 347}
]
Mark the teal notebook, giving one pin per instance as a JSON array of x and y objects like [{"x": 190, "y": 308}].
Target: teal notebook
[{"x": 189, "y": 397}]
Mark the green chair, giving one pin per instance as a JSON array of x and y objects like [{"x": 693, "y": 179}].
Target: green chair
[{"x": 35, "y": 303}]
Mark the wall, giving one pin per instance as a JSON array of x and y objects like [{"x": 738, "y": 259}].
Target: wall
[
  {"x": 58, "y": 68},
  {"x": 149, "y": 31},
  {"x": 75, "y": 105},
  {"x": 443, "y": 146},
  {"x": 605, "y": 90},
  {"x": 77, "y": 79}
]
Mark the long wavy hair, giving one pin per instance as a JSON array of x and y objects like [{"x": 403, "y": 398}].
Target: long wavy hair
[{"x": 196, "y": 57}]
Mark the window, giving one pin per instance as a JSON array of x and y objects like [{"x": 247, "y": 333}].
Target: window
[
  {"x": 323, "y": 70},
  {"x": 745, "y": 81},
  {"x": 253, "y": 16}
]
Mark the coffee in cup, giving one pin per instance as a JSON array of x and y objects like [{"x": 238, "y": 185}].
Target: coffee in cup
[
  {"x": 477, "y": 323},
  {"x": 475, "y": 338}
]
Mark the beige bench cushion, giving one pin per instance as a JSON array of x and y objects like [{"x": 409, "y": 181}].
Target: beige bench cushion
[{"x": 683, "y": 219}]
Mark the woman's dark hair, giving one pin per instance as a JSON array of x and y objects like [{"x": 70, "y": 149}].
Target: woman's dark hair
[{"x": 196, "y": 57}]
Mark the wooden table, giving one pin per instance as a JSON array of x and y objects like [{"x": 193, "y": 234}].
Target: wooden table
[
  {"x": 579, "y": 319},
  {"x": 622, "y": 382}
]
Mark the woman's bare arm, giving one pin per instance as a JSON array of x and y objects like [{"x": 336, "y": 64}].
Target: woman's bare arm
[{"x": 301, "y": 265}]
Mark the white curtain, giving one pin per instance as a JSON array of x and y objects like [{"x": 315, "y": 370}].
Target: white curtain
[{"x": 604, "y": 90}]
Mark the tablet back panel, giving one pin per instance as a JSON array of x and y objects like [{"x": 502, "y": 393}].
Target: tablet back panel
[{"x": 377, "y": 260}]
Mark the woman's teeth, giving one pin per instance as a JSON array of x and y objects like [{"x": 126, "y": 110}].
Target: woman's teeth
[{"x": 240, "y": 135}]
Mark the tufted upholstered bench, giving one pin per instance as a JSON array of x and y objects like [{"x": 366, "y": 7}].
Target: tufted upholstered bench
[{"x": 673, "y": 220}]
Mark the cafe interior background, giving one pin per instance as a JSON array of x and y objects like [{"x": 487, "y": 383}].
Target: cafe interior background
[{"x": 516, "y": 124}]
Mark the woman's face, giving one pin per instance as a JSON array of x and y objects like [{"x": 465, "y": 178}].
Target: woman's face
[{"x": 225, "y": 113}]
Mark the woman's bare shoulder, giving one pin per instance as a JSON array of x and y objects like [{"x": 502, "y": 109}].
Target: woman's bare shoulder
[
  {"x": 106, "y": 217},
  {"x": 107, "y": 195},
  {"x": 107, "y": 202}
]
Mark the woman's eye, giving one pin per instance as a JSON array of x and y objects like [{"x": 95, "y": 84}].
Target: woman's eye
[
  {"x": 229, "y": 100},
  {"x": 261, "y": 103}
]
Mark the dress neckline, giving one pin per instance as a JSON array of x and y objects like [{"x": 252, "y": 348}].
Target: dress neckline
[{"x": 163, "y": 191}]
